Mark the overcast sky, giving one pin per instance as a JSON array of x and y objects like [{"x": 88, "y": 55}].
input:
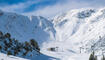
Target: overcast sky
[{"x": 47, "y": 8}]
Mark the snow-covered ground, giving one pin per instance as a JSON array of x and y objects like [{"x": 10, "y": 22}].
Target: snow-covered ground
[
  {"x": 77, "y": 31},
  {"x": 72, "y": 35},
  {"x": 6, "y": 57},
  {"x": 79, "y": 57}
]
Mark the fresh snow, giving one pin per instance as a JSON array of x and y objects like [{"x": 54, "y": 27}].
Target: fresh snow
[
  {"x": 77, "y": 31},
  {"x": 24, "y": 28},
  {"x": 6, "y": 57},
  {"x": 10, "y": 57},
  {"x": 73, "y": 35}
]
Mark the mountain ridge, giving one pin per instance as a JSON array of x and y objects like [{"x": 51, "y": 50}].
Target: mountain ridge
[
  {"x": 25, "y": 27},
  {"x": 77, "y": 31},
  {"x": 68, "y": 34}
]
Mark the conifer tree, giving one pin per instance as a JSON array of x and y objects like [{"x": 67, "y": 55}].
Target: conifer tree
[
  {"x": 9, "y": 53},
  {"x": 92, "y": 56},
  {"x": 11, "y": 46},
  {"x": 34, "y": 44},
  {"x": 95, "y": 58},
  {"x": 7, "y": 35}
]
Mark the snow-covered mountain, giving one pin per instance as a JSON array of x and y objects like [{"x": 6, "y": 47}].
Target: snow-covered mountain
[
  {"x": 25, "y": 28},
  {"x": 78, "y": 31},
  {"x": 70, "y": 35}
]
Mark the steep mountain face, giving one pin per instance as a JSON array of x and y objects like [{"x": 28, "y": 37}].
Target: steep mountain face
[
  {"x": 68, "y": 35},
  {"x": 78, "y": 31},
  {"x": 24, "y": 28}
]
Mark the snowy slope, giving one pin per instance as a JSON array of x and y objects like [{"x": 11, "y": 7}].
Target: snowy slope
[
  {"x": 5, "y": 57},
  {"x": 25, "y": 28},
  {"x": 70, "y": 35},
  {"x": 10, "y": 57},
  {"x": 27, "y": 50},
  {"x": 78, "y": 31}
]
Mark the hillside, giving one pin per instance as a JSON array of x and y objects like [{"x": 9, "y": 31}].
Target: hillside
[
  {"x": 69, "y": 36},
  {"x": 13, "y": 49},
  {"x": 24, "y": 28},
  {"x": 78, "y": 31},
  {"x": 19, "y": 31}
]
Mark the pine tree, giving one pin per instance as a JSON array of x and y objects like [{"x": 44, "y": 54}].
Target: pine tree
[
  {"x": 14, "y": 47},
  {"x": 92, "y": 57},
  {"x": 9, "y": 53},
  {"x": 26, "y": 43},
  {"x": 7, "y": 35},
  {"x": 15, "y": 52},
  {"x": 34, "y": 44},
  {"x": 95, "y": 58},
  {"x": 25, "y": 53}
]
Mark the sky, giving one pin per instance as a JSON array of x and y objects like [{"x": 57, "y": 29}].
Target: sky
[{"x": 47, "y": 8}]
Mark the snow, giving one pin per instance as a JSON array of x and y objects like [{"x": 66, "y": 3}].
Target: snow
[
  {"x": 80, "y": 57},
  {"x": 6, "y": 57},
  {"x": 24, "y": 28},
  {"x": 75, "y": 30},
  {"x": 10, "y": 57},
  {"x": 71, "y": 34}
]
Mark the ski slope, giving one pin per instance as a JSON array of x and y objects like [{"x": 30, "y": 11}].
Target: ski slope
[{"x": 78, "y": 32}]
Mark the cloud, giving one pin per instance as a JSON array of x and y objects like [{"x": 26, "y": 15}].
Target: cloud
[
  {"x": 18, "y": 8},
  {"x": 40, "y": 5},
  {"x": 50, "y": 10},
  {"x": 61, "y": 7}
]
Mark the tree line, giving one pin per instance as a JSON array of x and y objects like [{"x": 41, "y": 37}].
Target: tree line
[
  {"x": 11, "y": 46},
  {"x": 94, "y": 57}
]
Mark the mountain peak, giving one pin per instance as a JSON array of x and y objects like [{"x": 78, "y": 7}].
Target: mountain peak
[{"x": 78, "y": 29}]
